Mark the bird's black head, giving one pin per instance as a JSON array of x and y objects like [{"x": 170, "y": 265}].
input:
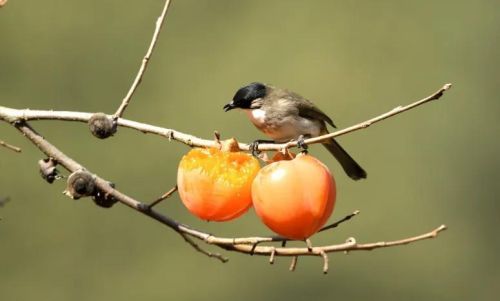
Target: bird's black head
[{"x": 244, "y": 96}]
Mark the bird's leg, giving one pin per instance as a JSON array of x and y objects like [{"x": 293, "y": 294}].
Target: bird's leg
[
  {"x": 301, "y": 144},
  {"x": 254, "y": 146}
]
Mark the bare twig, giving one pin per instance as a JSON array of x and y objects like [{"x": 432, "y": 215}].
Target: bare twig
[
  {"x": 393, "y": 112},
  {"x": 349, "y": 245},
  {"x": 13, "y": 115},
  {"x": 335, "y": 224},
  {"x": 293, "y": 263},
  {"x": 203, "y": 251},
  {"x": 165, "y": 196},
  {"x": 325, "y": 261},
  {"x": 370, "y": 246},
  {"x": 145, "y": 60},
  {"x": 10, "y": 146},
  {"x": 271, "y": 257}
]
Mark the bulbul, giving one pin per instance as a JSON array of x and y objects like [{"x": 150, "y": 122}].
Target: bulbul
[{"x": 284, "y": 115}]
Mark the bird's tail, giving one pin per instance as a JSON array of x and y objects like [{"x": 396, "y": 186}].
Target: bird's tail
[{"x": 351, "y": 167}]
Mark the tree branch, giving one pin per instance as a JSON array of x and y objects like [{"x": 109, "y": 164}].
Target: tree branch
[
  {"x": 13, "y": 115},
  {"x": 246, "y": 245},
  {"x": 349, "y": 245},
  {"x": 203, "y": 251},
  {"x": 397, "y": 110},
  {"x": 144, "y": 64}
]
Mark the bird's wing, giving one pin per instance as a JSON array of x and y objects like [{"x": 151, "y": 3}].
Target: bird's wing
[{"x": 308, "y": 110}]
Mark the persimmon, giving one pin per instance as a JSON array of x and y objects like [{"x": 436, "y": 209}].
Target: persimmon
[
  {"x": 294, "y": 198},
  {"x": 279, "y": 156},
  {"x": 214, "y": 184}
]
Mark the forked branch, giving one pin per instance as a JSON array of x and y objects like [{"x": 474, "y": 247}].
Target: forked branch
[
  {"x": 246, "y": 245},
  {"x": 13, "y": 115}
]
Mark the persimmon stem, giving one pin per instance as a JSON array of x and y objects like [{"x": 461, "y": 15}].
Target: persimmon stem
[{"x": 309, "y": 244}]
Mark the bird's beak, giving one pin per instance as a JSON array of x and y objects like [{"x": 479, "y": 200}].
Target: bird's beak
[{"x": 229, "y": 106}]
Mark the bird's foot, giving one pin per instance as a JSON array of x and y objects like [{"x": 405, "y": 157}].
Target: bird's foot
[
  {"x": 254, "y": 146},
  {"x": 301, "y": 144}
]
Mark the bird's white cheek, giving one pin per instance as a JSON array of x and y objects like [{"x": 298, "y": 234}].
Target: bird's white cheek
[{"x": 257, "y": 116}]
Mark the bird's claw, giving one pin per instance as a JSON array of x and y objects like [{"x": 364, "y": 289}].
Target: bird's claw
[
  {"x": 301, "y": 144},
  {"x": 254, "y": 148}
]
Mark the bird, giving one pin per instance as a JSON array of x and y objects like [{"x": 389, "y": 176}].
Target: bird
[{"x": 284, "y": 115}]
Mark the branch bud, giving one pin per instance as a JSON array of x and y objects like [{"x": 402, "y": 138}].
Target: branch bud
[
  {"x": 48, "y": 170},
  {"x": 102, "y": 126},
  {"x": 80, "y": 184}
]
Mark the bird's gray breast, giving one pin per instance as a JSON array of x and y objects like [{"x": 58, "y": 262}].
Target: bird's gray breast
[{"x": 282, "y": 123}]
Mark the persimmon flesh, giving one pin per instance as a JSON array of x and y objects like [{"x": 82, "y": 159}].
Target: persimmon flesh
[
  {"x": 294, "y": 198},
  {"x": 215, "y": 185}
]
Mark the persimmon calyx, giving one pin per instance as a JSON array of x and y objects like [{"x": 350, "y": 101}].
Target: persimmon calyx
[{"x": 230, "y": 145}]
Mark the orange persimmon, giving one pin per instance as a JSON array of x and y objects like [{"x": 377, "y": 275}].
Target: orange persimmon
[
  {"x": 279, "y": 156},
  {"x": 215, "y": 185},
  {"x": 294, "y": 198}
]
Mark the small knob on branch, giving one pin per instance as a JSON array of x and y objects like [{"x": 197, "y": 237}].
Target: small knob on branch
[
  {"x": 48, "y": 170},
  {"x": 80, "y": 184},
  {"x": 104, "y": 200},
  {"x": 102, "y": 126}
]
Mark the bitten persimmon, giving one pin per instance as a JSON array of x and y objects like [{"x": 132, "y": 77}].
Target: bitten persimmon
[
  {"x": 294, "y": 198},
  {"x": 215, "y": 185}
]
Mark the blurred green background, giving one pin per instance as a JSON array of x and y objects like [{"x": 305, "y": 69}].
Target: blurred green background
[{"x": 356, "y": 59}]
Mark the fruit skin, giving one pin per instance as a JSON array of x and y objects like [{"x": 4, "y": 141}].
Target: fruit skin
[
  {"x": 215, "y": 185},
  {"x": 279, "y": 156},
  {"x": 294, "y": 198}
]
